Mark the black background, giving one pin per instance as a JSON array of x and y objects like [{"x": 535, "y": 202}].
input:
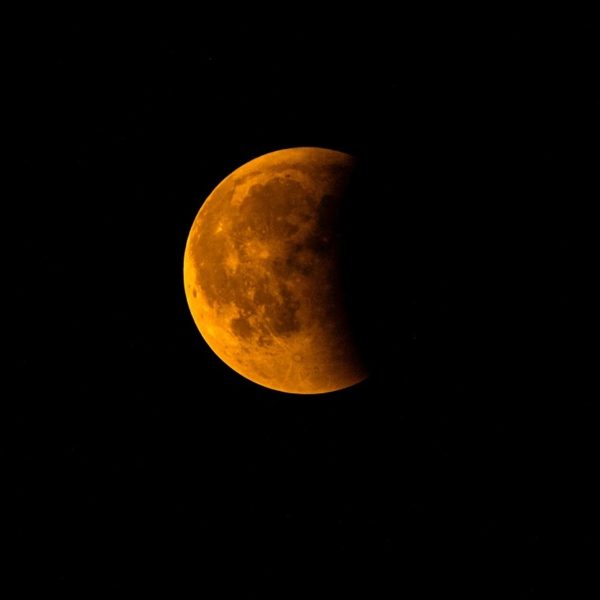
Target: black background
[{"x": 134, "y": 459}]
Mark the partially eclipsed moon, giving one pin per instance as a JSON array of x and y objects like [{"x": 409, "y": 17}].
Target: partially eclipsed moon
[{"x": 262, "y": 272}]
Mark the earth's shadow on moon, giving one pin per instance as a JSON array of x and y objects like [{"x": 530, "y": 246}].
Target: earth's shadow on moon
[{"x": 377, "y": 229}]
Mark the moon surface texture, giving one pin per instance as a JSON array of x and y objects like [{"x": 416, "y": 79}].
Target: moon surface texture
[{"x": 262, "y": 272}]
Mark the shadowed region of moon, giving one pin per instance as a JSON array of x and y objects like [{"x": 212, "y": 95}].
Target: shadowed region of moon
[{"x": 263, "y": 272}]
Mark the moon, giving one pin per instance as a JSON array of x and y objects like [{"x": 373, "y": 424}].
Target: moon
[{"x": 262, "y": 272}]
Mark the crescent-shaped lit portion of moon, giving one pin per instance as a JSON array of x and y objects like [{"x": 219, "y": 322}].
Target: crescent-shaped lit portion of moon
[{"x": 262, "y": 272}]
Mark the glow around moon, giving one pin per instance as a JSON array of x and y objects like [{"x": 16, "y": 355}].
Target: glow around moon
[{"x": 262, "y": 272}]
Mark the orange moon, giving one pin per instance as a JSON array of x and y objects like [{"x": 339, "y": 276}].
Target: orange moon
[{"x": 262, "y": 272}]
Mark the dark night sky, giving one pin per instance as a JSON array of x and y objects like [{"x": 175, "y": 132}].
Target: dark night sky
[{"x": 134, "y": 457}]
